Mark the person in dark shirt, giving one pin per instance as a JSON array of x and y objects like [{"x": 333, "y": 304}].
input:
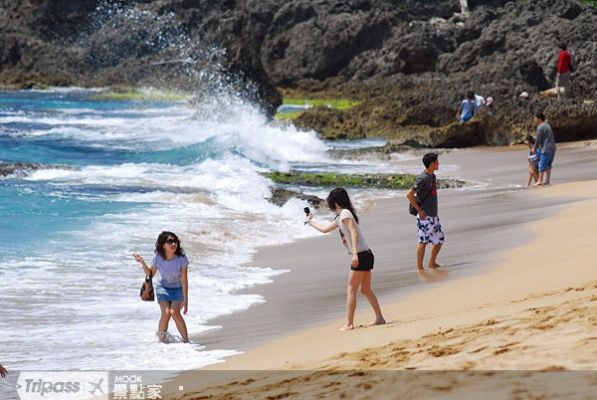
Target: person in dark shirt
[
  {"x": 423, "y": 197},
  {"x": 545, "y": 145}
]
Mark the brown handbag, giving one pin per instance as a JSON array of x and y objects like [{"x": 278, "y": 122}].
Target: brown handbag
[{"x": 147, "y": 289}]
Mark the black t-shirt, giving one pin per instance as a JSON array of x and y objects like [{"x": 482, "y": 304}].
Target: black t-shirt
[{"x": 426, "y": 189}]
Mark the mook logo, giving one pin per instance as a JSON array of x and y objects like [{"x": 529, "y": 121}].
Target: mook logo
[{"x": 63, "y": 385}]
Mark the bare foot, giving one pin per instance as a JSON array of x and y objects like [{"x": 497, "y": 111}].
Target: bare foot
[
  {"x": 162, "y": 337},
  {"x": 347, "y": 327},
  {"x": 436, "y": 265},
  {"x": 420, "y": 267},
  {"x": 538, "y": 184},
  {"x": 378, "y": 321}
]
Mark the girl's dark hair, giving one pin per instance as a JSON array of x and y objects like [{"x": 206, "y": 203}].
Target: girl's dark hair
[
  {"x": 563, "y": 46},
  {"x": 159, "y": 244},
  {"x": 340, "y": 196}
]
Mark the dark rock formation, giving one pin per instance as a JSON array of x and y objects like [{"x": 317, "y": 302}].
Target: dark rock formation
[
  {"x": 406, "y": 60},
  {"x": 170, "y": 44},
  {"x": 280, "y": 196},
  {"x": 22, "y": 169}
]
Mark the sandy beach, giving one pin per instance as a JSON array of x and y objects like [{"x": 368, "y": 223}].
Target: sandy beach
[
  {"x": 519, "y": 292},
  {"x": 480, "y": 225}
]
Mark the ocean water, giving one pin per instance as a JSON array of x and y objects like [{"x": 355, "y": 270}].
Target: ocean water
[{"x": 115, "y": 174}]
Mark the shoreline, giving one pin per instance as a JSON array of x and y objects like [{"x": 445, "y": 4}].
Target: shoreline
[
  {"x": 486, "y": 321},
  {"x": 467, "y": 231}
]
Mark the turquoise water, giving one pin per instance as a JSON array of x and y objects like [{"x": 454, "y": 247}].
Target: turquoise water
[
  {"x": 108, "y": 176},
  {"x": 33, "y": 212},
  {"x": 111, "y": 175}
]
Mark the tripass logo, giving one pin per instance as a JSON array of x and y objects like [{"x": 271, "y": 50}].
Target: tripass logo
[
  {"x": 44, "y": 387},
  {"x": 63, "y": 385}
]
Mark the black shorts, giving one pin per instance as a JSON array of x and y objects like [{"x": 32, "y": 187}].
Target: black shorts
[{"x": 366, "y": 259}]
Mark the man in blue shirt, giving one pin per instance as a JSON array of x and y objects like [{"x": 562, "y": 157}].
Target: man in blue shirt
[{"x": 467, "y": 109}]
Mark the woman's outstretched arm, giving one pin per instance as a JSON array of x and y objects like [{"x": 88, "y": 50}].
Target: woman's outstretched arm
[{"x": 320, "y": 228}]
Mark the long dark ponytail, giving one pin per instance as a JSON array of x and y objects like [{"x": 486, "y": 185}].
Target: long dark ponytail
[{"x": 340, "y": 196}]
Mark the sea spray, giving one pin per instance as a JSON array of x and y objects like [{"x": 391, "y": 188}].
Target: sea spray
[{"x": 128, "y": 170}]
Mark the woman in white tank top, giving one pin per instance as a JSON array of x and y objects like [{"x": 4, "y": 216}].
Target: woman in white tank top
[{"x": 362, "y": 258}]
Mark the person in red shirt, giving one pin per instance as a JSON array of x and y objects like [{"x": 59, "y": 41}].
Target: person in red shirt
[{"x": 563, "y": 69}]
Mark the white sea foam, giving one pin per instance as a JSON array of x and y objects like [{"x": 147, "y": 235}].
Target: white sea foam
[
  {"x": 81, "y": 287},
  {"x": 75, "y": 297}
]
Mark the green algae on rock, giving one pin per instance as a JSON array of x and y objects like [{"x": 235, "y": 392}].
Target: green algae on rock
[{"x": 380, "y": 181}]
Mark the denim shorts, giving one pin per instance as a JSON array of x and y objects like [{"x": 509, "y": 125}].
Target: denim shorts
[
  {"x": 545, "y": 161},
  {"x": 168, "y": 294},
  {"x": 465, "y": 119}
]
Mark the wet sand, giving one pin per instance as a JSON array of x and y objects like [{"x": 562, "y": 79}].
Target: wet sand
[
  {"x": 523, "y": 328},
  {"x": 480, "y": 225}
]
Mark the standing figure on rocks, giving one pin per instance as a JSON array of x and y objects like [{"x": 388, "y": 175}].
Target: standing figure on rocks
[
  {"x": 464, "y": 10},
  {"x": 467, "y": 108},
  {"x": 545, "y": 144},
  {"x": 563, "y": 69},
  {"x": 423, "y": 197}
]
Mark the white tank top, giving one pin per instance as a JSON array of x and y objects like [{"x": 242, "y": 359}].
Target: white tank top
[{"x": 361, "y": 243}]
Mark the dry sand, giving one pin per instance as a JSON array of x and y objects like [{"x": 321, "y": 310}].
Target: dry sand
[
  {"x": 536, "y": 310},
  {"x": 532, "y": 308},
  {"x": 480, "y": 226}
]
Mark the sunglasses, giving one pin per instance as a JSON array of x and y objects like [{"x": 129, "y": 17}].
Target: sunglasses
[{"x": 170, "y": 241}]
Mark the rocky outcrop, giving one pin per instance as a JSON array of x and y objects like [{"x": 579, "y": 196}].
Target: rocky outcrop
[
  {"x": 23, "y": 169},
  {"x": 168, "y": 44},
  {"x": 410, "y": 87},
  {"x": 281, "y": 196},
  {"x": 413, "y": 120},
  {"x": 407, "y": 61}
]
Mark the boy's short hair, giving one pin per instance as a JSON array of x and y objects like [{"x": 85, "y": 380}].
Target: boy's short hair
[
  {"x": 470, "y": 95},
  {"x": 529, "y": 139},
  {"x": 540, "y": 115},
  {"x": 563, "y": 46},
  {"x": 429, "y": 158}
]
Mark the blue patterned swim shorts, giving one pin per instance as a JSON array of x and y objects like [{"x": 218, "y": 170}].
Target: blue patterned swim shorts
[{"x": 430, "y": 230}]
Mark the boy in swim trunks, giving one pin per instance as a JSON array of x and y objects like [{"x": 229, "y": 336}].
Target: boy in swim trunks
[{"x": 423, "y": 197}]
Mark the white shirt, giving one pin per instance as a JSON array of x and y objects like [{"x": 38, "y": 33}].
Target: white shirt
[{"x": 361, "y": 243}]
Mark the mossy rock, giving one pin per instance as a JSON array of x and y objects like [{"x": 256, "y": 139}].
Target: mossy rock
[
  {"x": 333, "y": 179},
  {"x": 135, "y": 94},
  {"x": 280, "y": 196},
  {"x": 330, "y": 179},
  {"x": 325, "y": 104}
]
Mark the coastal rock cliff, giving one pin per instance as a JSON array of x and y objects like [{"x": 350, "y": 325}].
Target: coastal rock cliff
[{"x": 407, "y": 62}]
